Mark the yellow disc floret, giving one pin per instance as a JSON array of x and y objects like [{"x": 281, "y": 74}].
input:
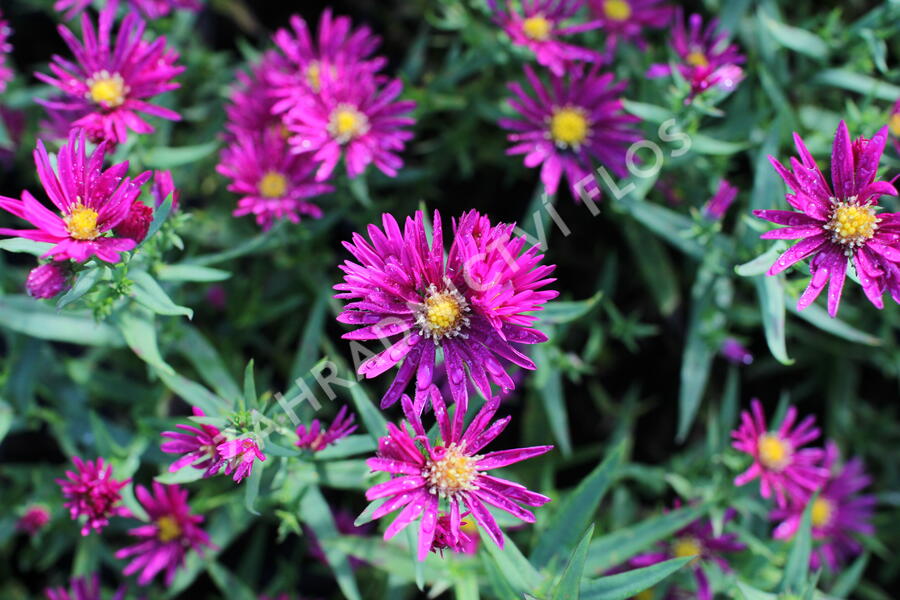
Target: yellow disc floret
[
  {"x": 314, "y": 75},
  {"x": 617, "y": 10},
  {"x": 537, "y": 28},
  {"x": 168, "y": 529},
  {"x": 822, "y": 512},
  {"x": 851, "y": 224},
  {"x": 346, "y": 123},
  {"x": 273, "y": 185},
  {"x": 696, "y": 58},
  {"x": 775, "y": 453},
  {"x": 686, "y": 546},
  {"x": 453, "y": 472},
  {"x": 894, "y": 124},
  {"x": 107, "y": 89},
  {"x": 81, "y": 223},
  {"x": 443, "y": 312},
  {"x": 569, "y": 126}
]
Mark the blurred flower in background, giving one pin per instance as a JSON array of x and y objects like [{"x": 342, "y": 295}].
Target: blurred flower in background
[
  {"x": 33, "y": 519},
  {"x": 316, "y": 437},
  {"x": 6, "y": 73},
  {"x": 627, "y": 20}
]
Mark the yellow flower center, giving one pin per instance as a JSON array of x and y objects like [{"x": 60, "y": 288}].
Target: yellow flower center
[
  {"x": 686, "y": 546},
  {"x": 107, "y": 89},
  {"x": 645, "y": 595},
  {"x": 894, "y": 124},
  {"x": 852, "y": 224},
  {"x": 697, "y": 59},
  {"x": 617, "y": 10},
  {"x": 774, "y": 452},
  {"x": 537, "y": 28},
  {"x": 454, "y": 472},
  {"x": 569, "y": 126},
  {"x": 314, "y": 75},
  {"x": 822, "y": 512},
  {"x": 168, "y": 529},
  {"x": 443, "y": 313},
  {"x": 347, "y": 123},
  {"x": 273, "y": 185},
  {"x": 81, "y": 223}
]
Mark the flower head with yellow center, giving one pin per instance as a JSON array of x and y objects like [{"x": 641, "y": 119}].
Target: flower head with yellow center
[
  {"x": 684, "y": 547},
  {"x": 617, "y": 10},
  {"x": 852, "y": 224},
  {"x": 822, "y": 512},
  {"x": 537, "y": 28},
  {"x": 894, "y": 124},
  {"x": 347, "y": 123},
  {"x": 696, "y": 58},
  {"x": 451, "y": 471},
  {"x": 107, "y": 89},
  {"x": 81, "y": 222},
  {"x": 169, "y": 529},
  {"x": 443, "y": 313},
  {"x": 273, "y": 185},
  {"x": 775, "y": 453},
  {"x": 569, "y": 127}
]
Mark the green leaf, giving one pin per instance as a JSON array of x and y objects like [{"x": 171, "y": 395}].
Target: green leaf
[
  {"x": 315, "y": 512},
  {"x": 796, "y": 39},
  {"x": 759, "y": 265},
  {"x": 250, "y": 397},
  {"x": 6, "y": 417},
  {"x": 751, "y": 593},
  {"x": 857, "y": 82},
  {"x": 576, "y": 511},
  {"x": 647, "y": 112},
  {"x": 195, "y": 394},
  {"x": 626, "y": 585},
  {"x": 847, "y": 581},
  {"x": 518, "y": 572},
  {"x": 251, "y": 488},
  {"x": 25, "y": 246},
  {"x": 209, "y": 364},
  {"x": 818, "y": 316},
  {"x": 31, "y": 317},
  {"x": 160, "y": 214},
  {"x": 620, "y": 545},
  {"x": 673, "y": 227},
  {"x": 307, "y": 352},
  {"x": 228, "y": 583},
  {"x": 138, "y": 328},
  {"x": 188, "y": 272},
  {"x": 703, "y": 144},
  {"x": 796, "y": 569},
  {"x": 168, "y": 158},
  {"x": 84, "y": 282},
  {"x": 371, "y": 417},
  {"x": 770, "y": 291},
  {"x": 149, "y": 293},
  {"x": 567, "y": 311},
  {"x": 549, "y": 387},
  {"x": 569, "y": 586},
  {"x": 655, "y": 267}
]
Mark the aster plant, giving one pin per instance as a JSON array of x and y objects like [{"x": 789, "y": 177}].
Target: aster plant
[
  {"x": 317, "y": 437},
  {"x": 839, "y": 222},
  {"x": 109, "y": 86},
  {"x": 568, "y": 125},
  {"x": 402, "y": 290},
  {"x": 91, "y": 492}
]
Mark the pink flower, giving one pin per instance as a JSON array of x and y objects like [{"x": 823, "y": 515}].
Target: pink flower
[
  {"x": 82, "y": 588},
  {"x": 251, "y": 100},
  {"x": 91, "y": 492},
  {"x": 623, "y": 20},
  {"x": 274, "y": 183},
  {"x": 34, "y": 519},
  {"x": 137, "y": 223},
  {"x": 6, "y": 73},
  {"x": 464, "y": 542},
  {"x": 735, "y": 352},
  {"x": 240, "y": 454},
  {"x": 92, "y": 202},
  {"x": 540, "y": 27},
  {"x": 451, "y": 472},
  {"x": 839, "y": 223},
  {"x": 780, "y": 462},
  {"x": 316, "y": 438},
  {"x": 113, "y": 79},
  {"x": 166, "y": 539},
  {"x": 717, "y": 206},
  {"x": 47, "y": 280},
  {"x": 163, "y": 187},
  {"x": 197, "y": 444}
]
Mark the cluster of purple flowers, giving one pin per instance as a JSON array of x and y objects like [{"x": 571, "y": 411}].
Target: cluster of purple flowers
[
  {"x": 304, "y": 107},
  {"x": 797, "y": 475}
]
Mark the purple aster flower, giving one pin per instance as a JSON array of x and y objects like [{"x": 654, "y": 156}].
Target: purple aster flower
[
  {"x": 626, "y": 20},
  {"x": 697, "y": 539},
  {"x": 567, "y": 126},
  {"x": 92, "y": 202},
  {"x": 465, "y": 540},
  {"x": 6, "y": 73},
  {"x": 196, "y": 444},
  {"x": 735, "y": 352},
  {"x": 163, "y": 187},
  {"x": 33, "y": 519},
  {"x": 540, "y": 27},
  {"x": 316, "y": 437},
  {"x": 273, "y": 182},
  {"x": 717, "y": 206},
  {"x": 91, "y": 492},
  {"x": 336, "y": 48},
  {"x": 707, "y": 59},
  {"x": 240, "y": 455},
  {"x": 450, "y": 472},
  {"x": 251, "y": 100},
  {"x": 113, "y": 77},
  {"x": 836, "y": 223},
  {"x": 47, "y": 280},
  {"x": 151, "y": 9},
  {"x": 839, "y": 513},
  {"x": 354, "y": 117},
  {"x": 780, "y": 462},
  {"x": 82, "y": 588},
  {"x": 165, "y": 541},
  {"x": 402, "y": 292}
]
